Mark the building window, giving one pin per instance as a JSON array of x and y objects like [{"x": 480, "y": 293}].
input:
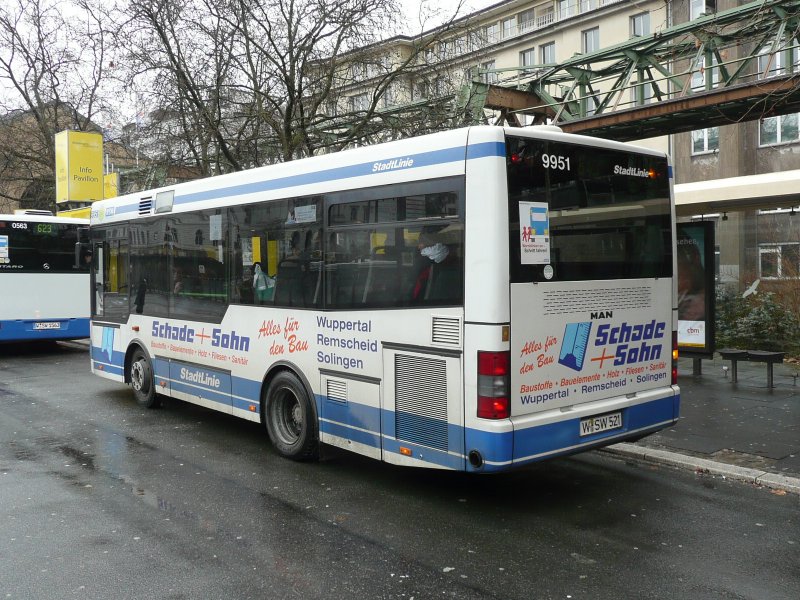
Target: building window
[
  {"x": 590, "y": 40},
  {"x": 566, "y": 8},
  {"x": 705, "y": 140},
  {"x": 488, "y": 77},
  {"x": 698, "y": 8},
  {"x": 701, "y": 75},
  {"x": 358, "y": 71},
  {"x": 509, "y": 27},
  {"x": 547, "y": 53},
  {"x": 587, "y": 5},
  {"x": 591, "y": 104},
  {"x": 779, "y": 260},
  {"x": 545, "y": 17},
  {"x": 779, "y": 130},
  {"x": 640, "y": 25},
  {"x": 526, "y": 20},
  {"x": 491, "y": 33},
  {"x": 359, "y": 103},
  {"x": 778, "y": 63},
  {"x": 641, "y": 92},
  {"x": 389, "y": 97},
  {"x": 527, "y": 58}
]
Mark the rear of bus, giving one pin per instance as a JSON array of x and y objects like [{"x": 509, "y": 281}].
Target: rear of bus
[
  {"x": 591, "y": 302},
  {"x": 44, "y": 282}
]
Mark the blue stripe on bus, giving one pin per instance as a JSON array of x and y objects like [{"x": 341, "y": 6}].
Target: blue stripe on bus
[
  {"x": 367, "y": 438},
  {"x": 24, "y": 329},
  {"x": 485, "y": 149},
  {"x": 540, "y": 442},
  {"x": 101, "y": 361},
  {"x": 422, "y": 159},
  {"x": 245, "y": 393},
  {"x": 351, "y": 414},
  {"x": 499, "y": 450},
  {"x": 368, "y": 425}
]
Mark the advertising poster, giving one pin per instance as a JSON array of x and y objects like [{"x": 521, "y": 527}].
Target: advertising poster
[
  {"x": 696, "y": 288},
  {"x": 534, "y": 233}
]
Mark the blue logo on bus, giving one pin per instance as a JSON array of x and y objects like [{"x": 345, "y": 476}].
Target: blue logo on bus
[
  {"x": 626, "y": 344},
  {"x": 229, "y": 340},
  {"x": 633, "y": 343},
  {"x": 573, "y": 348}
]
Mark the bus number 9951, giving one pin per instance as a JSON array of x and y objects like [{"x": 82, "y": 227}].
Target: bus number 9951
[{"x": 552, "y": 161}]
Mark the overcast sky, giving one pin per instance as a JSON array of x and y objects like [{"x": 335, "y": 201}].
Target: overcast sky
[{"x": 444, "y": 7}]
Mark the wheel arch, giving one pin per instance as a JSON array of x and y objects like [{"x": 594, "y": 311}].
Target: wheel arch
[
  {"x": 292, "y": 368},
  {"x": 132, "y": 348}
]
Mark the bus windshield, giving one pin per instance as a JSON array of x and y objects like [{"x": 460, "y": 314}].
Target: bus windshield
[
  {"x": 605, "y": 213},
  {"x": 28, "y": 246}
]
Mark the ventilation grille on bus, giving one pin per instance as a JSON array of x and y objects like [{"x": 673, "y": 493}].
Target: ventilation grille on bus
[
  {"x": 337, "y": 390},
  {"x": 421, "y": 400},
  {"x": 446, "y": 330},
  {"x": 145, "y": 206},
  {"x": 559, "y": 302}
]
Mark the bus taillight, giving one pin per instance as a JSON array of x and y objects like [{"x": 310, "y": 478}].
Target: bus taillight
[
  {"x": 674, "y": 358},
  {"x": 493, "y": 385}
]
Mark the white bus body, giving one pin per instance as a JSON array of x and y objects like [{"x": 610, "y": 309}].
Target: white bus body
[
  {"x": 44, "y": 292},
  {"x": 513, "y": 364}
]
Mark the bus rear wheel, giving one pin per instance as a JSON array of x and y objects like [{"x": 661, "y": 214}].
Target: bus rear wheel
[
  {"x": 290, "y": 418},
  {"x": 141, "y": 377}
]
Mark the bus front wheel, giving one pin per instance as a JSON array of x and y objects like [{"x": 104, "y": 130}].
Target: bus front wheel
[
  {"x": 141, "y": 378},
  {"x": 290, "y": 418}
]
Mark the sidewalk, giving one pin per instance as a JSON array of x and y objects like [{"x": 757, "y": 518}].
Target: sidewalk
[{"x": 743, "y": 430}]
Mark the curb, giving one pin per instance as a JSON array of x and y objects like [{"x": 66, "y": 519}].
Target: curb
[{"x": 754, "y": 476}]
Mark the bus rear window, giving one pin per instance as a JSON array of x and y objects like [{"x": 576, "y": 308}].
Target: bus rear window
[
  {"x": 37, "y": 247},
  {"x": 602, "y": 214}
]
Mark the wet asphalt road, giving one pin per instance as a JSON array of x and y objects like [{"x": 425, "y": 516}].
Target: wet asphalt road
[{"x": 102, "y": 499}]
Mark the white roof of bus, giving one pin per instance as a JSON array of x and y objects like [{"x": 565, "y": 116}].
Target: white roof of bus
[
  {"x": 436, "y": 155},
  {"x": 43, "y": 219}
]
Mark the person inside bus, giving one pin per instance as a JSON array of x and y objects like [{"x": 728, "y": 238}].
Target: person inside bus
[
  {"x": 86, "y": 263},
  {"x": 432, "y": 253},
  {"x": 294, "y": 246},
  {"x": 177, "y": 278},
  {"x": 141, "y": 291},
  {"x": 263, "y": 285}
]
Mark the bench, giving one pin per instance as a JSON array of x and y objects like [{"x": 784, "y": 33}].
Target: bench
[{"x": 764, "y": 356}]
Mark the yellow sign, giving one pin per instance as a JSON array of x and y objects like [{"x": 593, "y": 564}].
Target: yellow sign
[
  {"x": 111, "y": 185},
  {"x": 76, "y": 213},
  {"x": 79, "y": 166}
]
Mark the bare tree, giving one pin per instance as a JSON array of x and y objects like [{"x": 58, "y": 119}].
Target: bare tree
[
  {"x": 238, "y": 83},
  {"x": 51, "y": 69}
]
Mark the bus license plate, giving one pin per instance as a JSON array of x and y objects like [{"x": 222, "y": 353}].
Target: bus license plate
[
  {"x": 602, "y": 423},
  {"x": 47, "y": 325}
]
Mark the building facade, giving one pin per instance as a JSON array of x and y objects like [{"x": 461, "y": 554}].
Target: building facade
[{"x": 511, "y": 41}]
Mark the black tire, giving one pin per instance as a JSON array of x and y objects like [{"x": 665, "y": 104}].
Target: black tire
[
  {"x": 142, "y": 382},
  {"x": 290, "y": 418}
]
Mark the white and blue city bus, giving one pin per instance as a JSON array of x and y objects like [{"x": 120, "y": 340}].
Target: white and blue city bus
[
  {"x": 44, "y": 279},
  {"x": 476, "y": 299}
]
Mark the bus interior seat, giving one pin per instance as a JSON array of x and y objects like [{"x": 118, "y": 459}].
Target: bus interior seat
[
  {"x": 382, "y": 284},
  {"x": 346, "y": 283},
  {"x": 289, "y": 283},
  {"x": 445, "y": 282}
]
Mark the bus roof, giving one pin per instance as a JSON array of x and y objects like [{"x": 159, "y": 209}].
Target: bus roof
[
  {"x": 436, "y": 155},
  {"x": 43, "y": 219}
]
